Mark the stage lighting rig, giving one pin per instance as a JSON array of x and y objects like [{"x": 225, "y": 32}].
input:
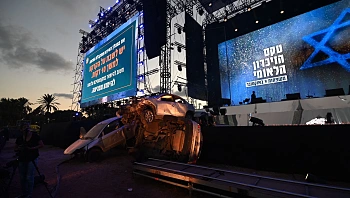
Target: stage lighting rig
[
  {"x": 179, "y": 46},
  {"x": 108, "y": 20}
]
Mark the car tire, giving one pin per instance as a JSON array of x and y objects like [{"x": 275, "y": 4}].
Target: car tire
[
  {"x": 148, "y": 115},
  {"x": 94, "y": 155}
]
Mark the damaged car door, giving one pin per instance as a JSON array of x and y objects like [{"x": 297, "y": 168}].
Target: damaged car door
[{"x": 113, "y": 135}]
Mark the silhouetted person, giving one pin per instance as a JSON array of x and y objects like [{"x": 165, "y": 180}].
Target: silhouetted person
[
  {"x": 329, "y": 119},
  {"x": 253, "y": 97},
  {"x": 27, "y": 146}
]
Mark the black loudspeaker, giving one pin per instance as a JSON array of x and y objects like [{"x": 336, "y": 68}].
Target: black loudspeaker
[
  {"x": 154, "y": 15},
  {"x": 335, "y": 92},
  {"x": 293, "y": 96},
  {"x": 195, "y": 73}
]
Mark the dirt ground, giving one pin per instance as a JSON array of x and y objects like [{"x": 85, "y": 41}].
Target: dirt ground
[{"x": 112, "y": 177}]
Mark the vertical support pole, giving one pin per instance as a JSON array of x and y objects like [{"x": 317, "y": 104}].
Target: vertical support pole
[{"x": 165, "y": 57}]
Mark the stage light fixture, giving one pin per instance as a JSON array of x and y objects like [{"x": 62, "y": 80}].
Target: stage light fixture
[
  {"x": 109, "y": 30},
  {"x": 123, "y": 19},
  {"x": 201, "y": 12},
  {"x": 236, "y": 30},
  {"x": 141, "y": 26},
  {"x": 140, "y": 37},
  {"x": 178, "y": 48},
  {"x": 141, "y": 63},
  {"x": 109, "y": 8},
  {"x": 139, "y": 7},
  {"x": 96, "y": 20},
  {"x": 226, "y": 14},
  {"x": 117, "y": 1},
  {"x": 256, "y": 21},
  {"x": 90, "y": 26},
  {"x": 140, "y": 50},
  {"x": 179, "y": 31},
  {"x": 83, "y": 50},
  {"x": 98, "y": 38},
  {"x": 282, "y": 11},
  {"x": 210, "y": 4},
  {"x": 179, "y": 88},
  {"x": 140, "y": 77},
  {"x": 179, "y": 67}
]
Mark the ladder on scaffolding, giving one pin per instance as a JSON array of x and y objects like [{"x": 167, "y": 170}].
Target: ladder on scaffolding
[{"x": 225, "y": 183}]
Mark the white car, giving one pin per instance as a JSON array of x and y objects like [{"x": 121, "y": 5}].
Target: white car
[
  {"x": 171, "y": 137},
  {"x": 101, "y": 138},
  {"x": 166, "y": 104}
]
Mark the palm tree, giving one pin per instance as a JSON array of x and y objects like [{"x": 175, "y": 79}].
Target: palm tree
[{"x": 48, "y": 102}]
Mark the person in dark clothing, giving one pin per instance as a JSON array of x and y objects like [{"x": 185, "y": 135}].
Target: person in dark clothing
[
  {"x": 27, "y": 146},
  {"x": 253, "y": 97}
]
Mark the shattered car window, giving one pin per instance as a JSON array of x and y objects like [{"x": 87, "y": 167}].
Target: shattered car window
[{"x": 94, "y": 131}]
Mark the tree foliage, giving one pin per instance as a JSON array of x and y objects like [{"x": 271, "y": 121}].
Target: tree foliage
[
  {"x": 48, "y": 103},
  {"x": 12, "y": 110}
]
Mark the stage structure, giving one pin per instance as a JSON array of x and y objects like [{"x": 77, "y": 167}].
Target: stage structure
[
  {"x": 227, "y": 27},
  {"x": 110, "y": 23},
  {"x": 113, "y": 17}
]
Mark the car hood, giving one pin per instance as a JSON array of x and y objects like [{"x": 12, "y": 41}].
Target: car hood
[{"x": 76, "y": 145}]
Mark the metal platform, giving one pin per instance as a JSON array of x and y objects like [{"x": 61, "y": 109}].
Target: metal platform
[{"x": 225, "y": 183}]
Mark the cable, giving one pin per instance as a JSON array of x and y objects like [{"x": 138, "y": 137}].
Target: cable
[{"x": 58, "y": 179}]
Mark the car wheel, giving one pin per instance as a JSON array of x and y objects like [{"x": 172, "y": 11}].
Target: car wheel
[
  {"x": 149, "y": 115},
  {"x": 94, "y": 155}
]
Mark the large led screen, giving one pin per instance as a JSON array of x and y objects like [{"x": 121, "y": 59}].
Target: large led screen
[
  {"x": 306, "y": 54},
  {"x": 110, "y": 67}
]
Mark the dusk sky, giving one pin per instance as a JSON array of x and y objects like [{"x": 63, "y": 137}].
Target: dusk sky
[{"x": 39, "y": 46}]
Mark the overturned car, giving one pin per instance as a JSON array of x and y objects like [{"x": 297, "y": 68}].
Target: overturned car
[{"x": 164, "y": 136}]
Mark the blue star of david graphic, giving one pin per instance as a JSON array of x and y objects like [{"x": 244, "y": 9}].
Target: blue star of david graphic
[{"x": 334, "y": 57}]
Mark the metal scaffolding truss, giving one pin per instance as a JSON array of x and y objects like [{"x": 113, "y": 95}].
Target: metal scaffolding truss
[
  {"x": 113, "y": 17},
  {"x": 174, "y": 7},
  {"x": 230, "y": 10}
]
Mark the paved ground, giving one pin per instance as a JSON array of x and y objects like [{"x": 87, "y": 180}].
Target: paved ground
[{"x": 112, "y": 177}]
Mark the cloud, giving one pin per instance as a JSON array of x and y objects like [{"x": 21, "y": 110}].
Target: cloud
[
  {"x": 17, "y": 49},
  {"x": 63, "y": 95},
  {"x": 74, "y": 7}
]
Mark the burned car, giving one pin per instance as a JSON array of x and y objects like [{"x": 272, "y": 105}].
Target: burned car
[
  {"x": 101, "y": 138},
  {"x": 166, "y": 104},
  {"x": 168, "y": 135}
]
